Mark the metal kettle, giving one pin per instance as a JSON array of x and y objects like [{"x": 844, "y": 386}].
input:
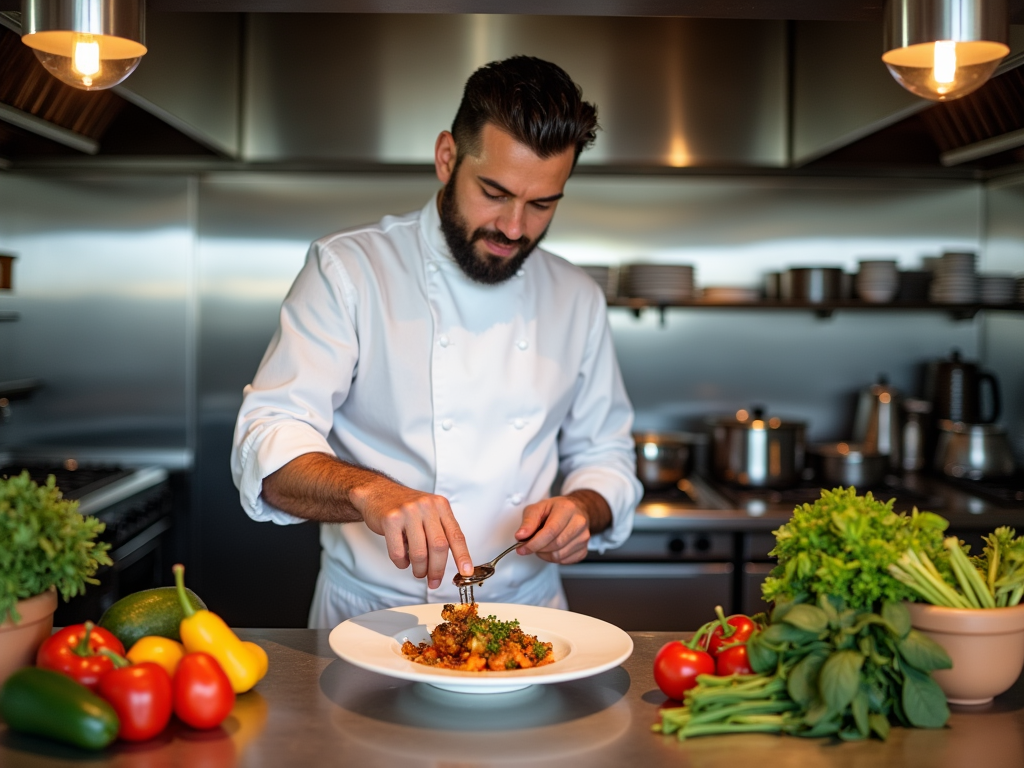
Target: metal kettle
[
  {"x": 955, "y": 387},
  {"x": 877, "y": 425}
]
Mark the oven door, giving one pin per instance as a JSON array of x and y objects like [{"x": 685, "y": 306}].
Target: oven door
[{"x": 656, "y": 597}]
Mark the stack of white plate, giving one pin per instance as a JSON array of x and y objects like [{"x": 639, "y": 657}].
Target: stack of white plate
[
  {"x": 997, "y": 289},
  {"x": 606, "y": 277},
  {"x": 729, "y": 294},
  {"x": 878, "y": 281},
  {"x": 660, "y": 282},
  {"x": 955, "y": 281}
]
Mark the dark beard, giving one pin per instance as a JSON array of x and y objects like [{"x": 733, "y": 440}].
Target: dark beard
[{"x": 487, "y": 269}]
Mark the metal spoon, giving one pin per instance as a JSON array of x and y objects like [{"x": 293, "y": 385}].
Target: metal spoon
[{"x": 480, "y": 573}]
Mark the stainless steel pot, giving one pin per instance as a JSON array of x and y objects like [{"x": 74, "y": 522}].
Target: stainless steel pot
[
  {"x": 974, "y": 451},
  {"x": 665, "y": 458},
  {"x": 812, "y": 284},
  {"x": 847, "y": 464},
  {"x": 756, "y": 451}
]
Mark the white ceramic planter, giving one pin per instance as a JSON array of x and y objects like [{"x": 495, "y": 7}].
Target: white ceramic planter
[{"x": 985, "y": 644}]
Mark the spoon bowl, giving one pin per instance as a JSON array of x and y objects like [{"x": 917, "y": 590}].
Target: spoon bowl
[{"x": 480, "y": 573}]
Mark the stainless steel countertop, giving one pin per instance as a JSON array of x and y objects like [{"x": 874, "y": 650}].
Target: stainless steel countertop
[{"x": 315, "y": 710}]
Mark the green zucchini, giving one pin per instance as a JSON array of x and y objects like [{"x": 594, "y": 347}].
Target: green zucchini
[
  {"x": 46, "y": 703},
  {"x": 149, "y": 612}
]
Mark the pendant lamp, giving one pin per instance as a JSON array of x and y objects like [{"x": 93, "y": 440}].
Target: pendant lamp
[
  {"x": 944, "y": 49},
  {"x": 89, "y": 44}
]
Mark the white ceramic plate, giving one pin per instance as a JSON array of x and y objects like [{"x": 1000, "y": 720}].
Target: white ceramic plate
[{"x": 583, "y": 646}]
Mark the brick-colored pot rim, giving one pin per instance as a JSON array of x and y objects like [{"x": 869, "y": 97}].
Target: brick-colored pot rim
[
  {"x": 33, "y": 609},
  {"x": 967, "y": 621}
]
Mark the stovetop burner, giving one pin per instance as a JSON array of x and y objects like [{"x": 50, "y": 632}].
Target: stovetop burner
[
  {"x": 73, "y": 480},
  {"x": 808, "y": 492},
  {"x": 1004, "y": 492}
]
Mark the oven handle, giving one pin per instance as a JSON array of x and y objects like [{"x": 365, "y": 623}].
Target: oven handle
[{"x": 643, "y": 570}]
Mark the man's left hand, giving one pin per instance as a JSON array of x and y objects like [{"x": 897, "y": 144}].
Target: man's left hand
[{"x": 563, "y": 525}]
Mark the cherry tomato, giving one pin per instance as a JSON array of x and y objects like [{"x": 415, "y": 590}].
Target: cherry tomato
[
  {"x": 743, "y": 628},
  {"x": 733, "y": 661},
  {"x": 141, "y": 696},
  {"x": 676, "y": 668}
]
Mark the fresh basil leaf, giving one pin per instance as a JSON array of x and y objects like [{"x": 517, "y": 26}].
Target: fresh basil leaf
[
  {"x": 815, "y": 713},
  {"x": 809, "y": 618},
  {"x": 851, "y": 734},
  {"x": 839, "y": 679},
  {"x": 859, "y": 707},
  {"x": 777, "y": 634},
  {"x": 880, "y": 725},
  {"x": 898, "y": 617},
  {"x": 782, "y": 607},
  {"x": 924, "y": 703},
  {"x": 828, "y": 604},
  {"x": 921, "y": 652},
  {"x": 802, "y": 683},
  {"x": 762, "y": 658},
  {"x": 827, "y": 727}
]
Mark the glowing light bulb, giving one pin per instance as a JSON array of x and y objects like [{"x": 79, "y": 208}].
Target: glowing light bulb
[
  {"x": 86, "y": 58},
  {"x": 944, "y": 67}
]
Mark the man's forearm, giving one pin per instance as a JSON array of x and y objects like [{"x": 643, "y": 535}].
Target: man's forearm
[
  {"x": 319, "y": 487},
  {"x": 595, "y": 508}
]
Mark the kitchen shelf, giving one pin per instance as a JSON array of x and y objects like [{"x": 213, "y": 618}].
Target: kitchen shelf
[{"x": 822, "y": 309}]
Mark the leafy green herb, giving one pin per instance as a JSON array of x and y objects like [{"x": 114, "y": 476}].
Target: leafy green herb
[
  {"x": 843, "y": 545},
  {"x": 540, "y": 650},
  {"x": 492, "y": 632},
  {"x": 44, "y": 542}
]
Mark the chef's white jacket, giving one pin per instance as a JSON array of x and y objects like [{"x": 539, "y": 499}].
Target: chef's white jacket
[{"x": 389, "y": 357}]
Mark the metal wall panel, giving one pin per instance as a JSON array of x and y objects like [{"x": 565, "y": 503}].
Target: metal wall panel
[
  {"x": 103, "y": 291},
  {"x": 1004, "y": 332},
  {"x": 675, "y": 92}
]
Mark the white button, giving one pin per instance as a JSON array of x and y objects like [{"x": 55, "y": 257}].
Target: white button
[
  {"x": 523, "y": 344},
  {"x": 520, "y": 273},
  {"x": 518, "y": 423},
  {"x": 446, "y": 424},
  {"x": 443, "y": 341},
  {"x": 431, "y": 266},
  {"x": 516, "y": 498}
]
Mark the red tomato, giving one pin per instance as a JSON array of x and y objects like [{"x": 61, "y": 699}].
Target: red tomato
[
  {"x": 676, "y": 668},
  {"x": 141, "y": 696},
  {"x": 75, "y": 652},
  {"x": 733, "y": 661},
  {"x": 203, "y": 695},
  {"x": 743, "y": 628}
]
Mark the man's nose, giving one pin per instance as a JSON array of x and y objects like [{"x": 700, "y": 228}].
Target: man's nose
[{"x": 511, "y": 223}]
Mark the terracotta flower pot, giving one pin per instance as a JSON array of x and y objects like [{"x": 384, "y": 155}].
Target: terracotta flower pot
[
  {"x": 985, "y": 644},
  {"x": 19, "y": 642}
]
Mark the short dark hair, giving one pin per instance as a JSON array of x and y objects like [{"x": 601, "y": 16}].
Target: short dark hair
[{"x": 533, "y": 100}]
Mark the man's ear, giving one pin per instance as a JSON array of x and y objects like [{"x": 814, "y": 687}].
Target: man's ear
[{"x": 445, "y": 155}]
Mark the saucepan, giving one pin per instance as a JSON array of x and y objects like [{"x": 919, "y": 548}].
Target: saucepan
[
  {"x": 846, "y": 464},
  {"x": 665, "y": 458},
  {"x": 754, "y": 450}
]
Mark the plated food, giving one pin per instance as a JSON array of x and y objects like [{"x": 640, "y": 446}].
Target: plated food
[{"x": 467, "y": 642}]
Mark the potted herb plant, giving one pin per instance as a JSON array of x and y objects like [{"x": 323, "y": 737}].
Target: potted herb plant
[
  {"x": 972, "y": 608},
  {"x": 46, "y": 547}
]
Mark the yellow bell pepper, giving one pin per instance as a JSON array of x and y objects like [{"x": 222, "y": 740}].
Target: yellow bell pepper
[
  {"x": 160, "y": 650},
  {"x": 207, "y": 632}
]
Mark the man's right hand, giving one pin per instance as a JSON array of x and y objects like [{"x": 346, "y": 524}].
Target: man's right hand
[{"x": 419, "y": 527}]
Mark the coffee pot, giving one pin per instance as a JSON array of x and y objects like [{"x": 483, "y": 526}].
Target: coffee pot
[
  {"x": 955, "y": 387},
  {"x": 877, "y": 425}
]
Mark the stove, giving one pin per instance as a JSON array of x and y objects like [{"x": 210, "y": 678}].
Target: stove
[
  {"x": 1003, "y": 492},
  {"x": 807, "y": 492},
  {"x": 136, "y": 507}
]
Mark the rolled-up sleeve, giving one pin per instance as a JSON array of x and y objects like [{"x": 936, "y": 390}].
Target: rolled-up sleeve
[
  {"x": 304, "y": 377},
  {"x": 596, "y": 447}
]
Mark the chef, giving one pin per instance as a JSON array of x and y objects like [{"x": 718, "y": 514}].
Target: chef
[{"x": 440, "y": 386}]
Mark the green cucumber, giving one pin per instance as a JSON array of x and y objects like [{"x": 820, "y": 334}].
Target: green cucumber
[
  {"x": 46, "y": 703},
  {"x": 149, "y": 612}
]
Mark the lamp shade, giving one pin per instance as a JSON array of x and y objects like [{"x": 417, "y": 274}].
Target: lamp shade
[
  {"x": 944, "y": 49},
  {"x": 90, "y": 44}
]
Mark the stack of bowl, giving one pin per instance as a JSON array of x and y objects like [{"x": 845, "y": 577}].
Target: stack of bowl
[
  {"x": 606, "y": 277},
  {"x": 997, "y": 289},
  {"x": 956, "y": 281},
  {"x": 664, "y": 283},
  {"x": 878, "y": 281}
]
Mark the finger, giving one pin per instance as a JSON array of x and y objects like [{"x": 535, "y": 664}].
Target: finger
[
  {"x": 456, "y": 541},
  {"x": 573, "y": 527},
  {"x": 437, "y": 550},
  {"x": 418, "y": 553},
  {"x": 573, "y": 553},
  {"x": 551, "y": 523},
  {"x": 533, "y": 518},
  {"x": 398, "y": 546}
]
